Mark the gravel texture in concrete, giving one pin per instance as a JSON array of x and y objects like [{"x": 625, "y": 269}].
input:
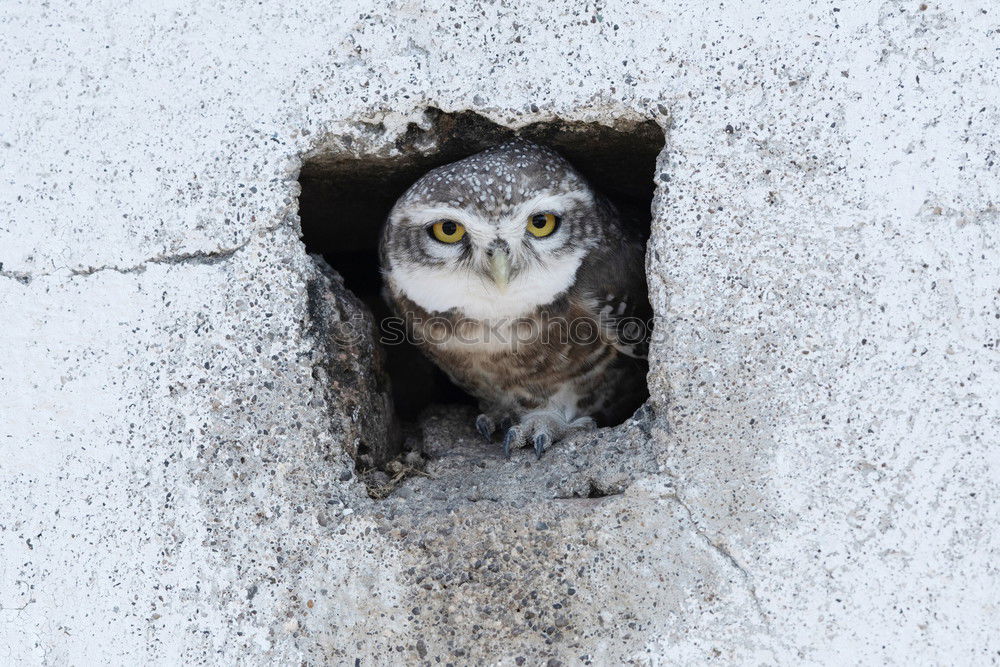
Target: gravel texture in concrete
[{"x": 814, "y": 479}]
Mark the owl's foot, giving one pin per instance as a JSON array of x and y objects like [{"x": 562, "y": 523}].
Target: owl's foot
[
  {"x": 488, "y": 424},
  {"x": 541, "y": 429}
]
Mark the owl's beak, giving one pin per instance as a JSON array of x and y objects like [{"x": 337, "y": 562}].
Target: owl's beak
[
  {"x": 498, "y": 253},
  {"x": 500, "y": 268}
]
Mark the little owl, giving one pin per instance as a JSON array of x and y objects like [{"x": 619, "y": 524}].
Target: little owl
[{"x": 523, "y": 284}]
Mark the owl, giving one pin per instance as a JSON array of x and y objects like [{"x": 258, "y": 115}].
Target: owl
[{"x": 524, "y": 285}]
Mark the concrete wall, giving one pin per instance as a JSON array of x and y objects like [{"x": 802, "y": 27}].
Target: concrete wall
[{"x": 816, "y": 477}]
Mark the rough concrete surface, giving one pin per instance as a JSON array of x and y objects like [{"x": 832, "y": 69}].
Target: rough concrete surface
[{"x": 814, "y": 479}]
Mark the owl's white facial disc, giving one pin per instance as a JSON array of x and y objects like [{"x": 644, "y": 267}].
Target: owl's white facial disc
[
  {"x": 457, "y": 276},
  {"x": 473, "y": 295},
  {"x": 495, "y": 265}
]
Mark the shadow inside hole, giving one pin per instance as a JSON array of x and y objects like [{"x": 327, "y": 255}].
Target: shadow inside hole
[{"x": 345, "y": 198}]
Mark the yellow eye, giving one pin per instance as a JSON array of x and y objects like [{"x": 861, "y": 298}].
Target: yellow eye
[
  {"x": 543, "y": 224},
  {"x": 447, "y": 231}
]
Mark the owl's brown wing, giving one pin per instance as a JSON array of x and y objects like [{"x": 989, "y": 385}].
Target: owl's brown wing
[{"x": 612, "y": 282}]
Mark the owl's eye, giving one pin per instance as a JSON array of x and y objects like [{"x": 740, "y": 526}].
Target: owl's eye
[
  {"x": 543, "y": 224},
  {"x": 447, "y": 231}
]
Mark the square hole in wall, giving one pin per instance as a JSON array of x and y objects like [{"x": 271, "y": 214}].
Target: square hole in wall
[{"x": 345, "y": 197}]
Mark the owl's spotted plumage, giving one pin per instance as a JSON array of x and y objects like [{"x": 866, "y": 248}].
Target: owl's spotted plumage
[{"x": 524, "y": 286}]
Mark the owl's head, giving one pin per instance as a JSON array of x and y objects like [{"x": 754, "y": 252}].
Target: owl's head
[{"x": 494, "y": 235}]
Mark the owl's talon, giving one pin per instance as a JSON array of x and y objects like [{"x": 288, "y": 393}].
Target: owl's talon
[
  {"x": 485, "y": 426},
  {"x": 542, "y": 440},
  {"x": 509, "y": 439},
  {"x": 505, "y": 424}
]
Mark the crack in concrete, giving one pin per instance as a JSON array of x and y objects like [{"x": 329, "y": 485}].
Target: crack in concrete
[
  {"x": 722, "y": 551},
  {"x": 19, "y": 276},
  {"x": 194, "y": 257},
  {"x": 18, "y": 609}
]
